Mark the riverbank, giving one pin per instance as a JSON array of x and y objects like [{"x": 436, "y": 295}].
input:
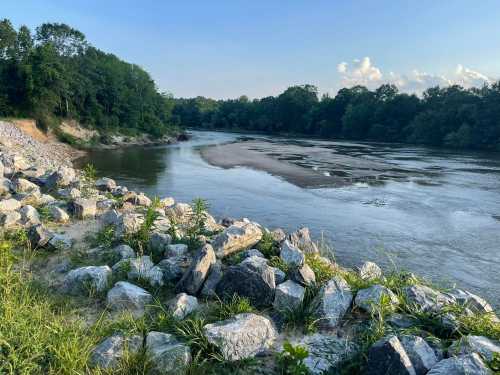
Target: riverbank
[{"x": 168, "y": 285}]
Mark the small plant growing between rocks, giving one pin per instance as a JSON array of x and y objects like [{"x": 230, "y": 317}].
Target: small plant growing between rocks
[
  {"x": 302, "y": 317},
  {"x": 323, "y": 271},
  {"x": 44, "y": 214},
  {"x": 277, "y": 262},
  {"x": 104, "y": 237},
  {"x": 222, "y": 310},
  {"x": 196, "y": 225},
  {"x": 291, "y": 360},
  {"x": 268, "y": 246},
  {"x": 88, "y": 179},
  {"x": 140, "y": 239}
]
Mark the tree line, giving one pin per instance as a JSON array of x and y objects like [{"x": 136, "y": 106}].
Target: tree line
[
  {"x": 443, "y": 117},
  {"x": 55, "y": 73}
]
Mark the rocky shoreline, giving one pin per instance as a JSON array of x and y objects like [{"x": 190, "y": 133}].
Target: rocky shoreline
[{"x": 253, "y": 294}]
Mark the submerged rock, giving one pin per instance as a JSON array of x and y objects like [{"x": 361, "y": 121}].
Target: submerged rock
[{"x": 243, "y": 336}]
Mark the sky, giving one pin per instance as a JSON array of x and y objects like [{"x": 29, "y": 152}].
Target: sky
[{"x": 229, "y": 48}]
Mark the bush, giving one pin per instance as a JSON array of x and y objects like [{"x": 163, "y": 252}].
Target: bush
[{"x": 291, "y": 360}]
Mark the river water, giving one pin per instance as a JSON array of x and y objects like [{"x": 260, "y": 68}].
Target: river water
[{"x": 442, "y": 222}]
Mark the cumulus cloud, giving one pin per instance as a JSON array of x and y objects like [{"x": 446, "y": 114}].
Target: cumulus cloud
[{"x": 364, "y": 72}]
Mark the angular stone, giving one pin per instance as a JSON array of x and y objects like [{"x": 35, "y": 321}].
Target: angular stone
[
  {"x": 111, "y": 217},
  {"x": 463, "y": 365},
  {"x": 69, "y": 193},
  {"x": 252, "y": 252},
  {"x": 471, "y": 301},
  {"x": 58, "y": 214},
  {"x": 128, "y": 297},
  {"x": 10, "y": 219},
  {"x": 39, "y": 236},
  {"x": 193, "y": 278},
  {"x": 167, "y": 202},
  {"x": 288, "y": 296},
  {"x": 22, "y": 185},
  {"x": 167, "y": 355},
  {"x": 105, "y": 184},
  {"x": 61, "y": 242},
  {"x": 369, "y": 271},
  {"x": 486, "y": 347},
  {"x": 87, "y": 280},
  {"x": 243, "y": 336},
  {"x": 84, "y": 208},
  {"x": 112, "y": 350},
  {"x": 369, "y": 299},
  {"x": 278, "y": 235},
  {"x": 326, "y": 353},
  {"x": 292, "y": 255},
  {"x": 256, "y": 283},
  {"x": 304, "y": 275},
  {"x": 302, "y": 239},
  {"x": 387, "y": 356},
  {"x": 239, "y": 236},
  {"x": 29, "y": 215},
  {"x": 421, "y": 355},
  {"x": 124, "y": 252},
  {"x": 46, "y": 199},
  {"x": 176, "y": 250},
  {"x": 214, "y": 277},
  {"x": 173, "y": 268},
  {"x": 159, "y": 242},
  {"x": 427, "y": 299},
  {"x": 129, "y": 223},
  {"x": 332, "y": 302},
  {"x": 10, "y": 204},
  {"x": 5, "y": 186},
  {"x": 183, "y": 305},
  {"x": 63, "y": 177}
]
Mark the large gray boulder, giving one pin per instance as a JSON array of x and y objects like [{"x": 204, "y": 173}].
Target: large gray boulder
[
  {"x": 159, "y": 242},
  {"x": 239, "y": 236},
  {"x": 325, "y": 352},
  {"x": 251, "y": 279},
  {"x": 29, "y": 215},
  {"x": 128, "y": 297},
  {"x": 288, "y": 296},
  {"x": 463, "y": 365},
  {"x": 10, "y": 219},
  {"x": 193, "y": 278},
  {"x": 427, "y": 299},
  {"x": 387, "y": 356},
  {"x": 369, "y": 299},
  {"x": 173, "y": 268},
  {"x": 472, "y": 302},
  {"x": 87, "y": 280},
  {"x": 58, "y": 214},
  {"x": 243, "y": 336},
  {"x": 166, "y": 354},
  {"x": 486, "y": 347},
  {"x": 332, "y": 302},
  {"x": 291, "y": 255},
  {"x": 182, "y": 305},
  {"x": 109, "y": 353},
  {"x": 421, "y": 355}
]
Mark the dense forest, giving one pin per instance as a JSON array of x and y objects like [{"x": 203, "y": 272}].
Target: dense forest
[
  {"x": 55, "y": 73},
  {"x": 443, "y": 117}
]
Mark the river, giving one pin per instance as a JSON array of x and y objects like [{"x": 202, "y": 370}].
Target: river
[{"x": 441, "y": 220}]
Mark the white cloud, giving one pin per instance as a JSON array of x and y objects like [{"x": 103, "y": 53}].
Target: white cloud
[{"x": 364, "y": 72}]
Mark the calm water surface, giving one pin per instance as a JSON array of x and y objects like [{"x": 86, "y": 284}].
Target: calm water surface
[{"x": 443, "y": 223}]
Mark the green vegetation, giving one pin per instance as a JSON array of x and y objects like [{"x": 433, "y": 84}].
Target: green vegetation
[
  {"x": 268, "y": 246},
  {"x": 56, "y": 73},
  {"x": 222, "y": 310},
  {"x": 442, "y": 117},
  {"x": 105, "y": 237},
  {"x": 291, "y": 360},
  {"x": 139, "y": 240},
  {"x": 323, "y": 271}
]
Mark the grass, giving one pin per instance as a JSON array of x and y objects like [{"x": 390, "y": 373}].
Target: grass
[
  {"x": 323, "y": 271},
  {"x": 302, "y": 318},
  {"x": 277, "y": 262},
  {"x": 268, "y": 246},
  {"x": 222, "y": 310},
  {"x": 139, "y": 240},
  {"x": 104, "y": 238}
]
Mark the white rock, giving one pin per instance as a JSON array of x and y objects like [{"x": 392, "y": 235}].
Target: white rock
[
  {"x": 58, "y": 214},
  {"x": 370, "y": 271},
  {"x": 10, "y": 219},
  {"x": 29, "y": 215},
  {"x": 84, "y": 208},
  {"x": 22, "y": 185},
  {"x": 243, "y": 336},
  {"x": 239, "y": 236},
  {"x": 183, "y": 305},
  {"x": 11, "y": 204}
]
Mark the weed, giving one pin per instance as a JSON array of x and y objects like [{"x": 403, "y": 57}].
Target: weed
[
  {"x": 105, "y": 237},
  {"x": 302, "y": 316},
  {"x": 222, "y": 310},
  {"x": 323, "y": 271},
  {"x": 277, "y": 262},
  {"x": 44, "y": 214},
  {"x": 140, "y": 239},
  {"x": 291, "y": 360},
  {"x": 268, "y": 246}
]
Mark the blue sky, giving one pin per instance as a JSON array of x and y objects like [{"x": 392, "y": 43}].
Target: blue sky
[{"x": 229, "y": 48}]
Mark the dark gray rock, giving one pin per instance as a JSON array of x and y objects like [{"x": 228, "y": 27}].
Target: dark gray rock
[
  {"x": 193, "y": 278},
  {"x": 421, "y": 355},
  {"x": 167, "y": 355},
  {"x": 387, "y": 356},
  {"x": 111, "y": 351},
  {"x": 213, "y": 279},
  {"x": 87, "y": 280},
  {"x": 39, "y": 236}
]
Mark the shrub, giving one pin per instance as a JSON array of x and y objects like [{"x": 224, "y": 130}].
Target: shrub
[
  {"x": 268, "y": 246},
  {"x": 291, "y": 360},
  {"x": 323, "y": 271}
]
